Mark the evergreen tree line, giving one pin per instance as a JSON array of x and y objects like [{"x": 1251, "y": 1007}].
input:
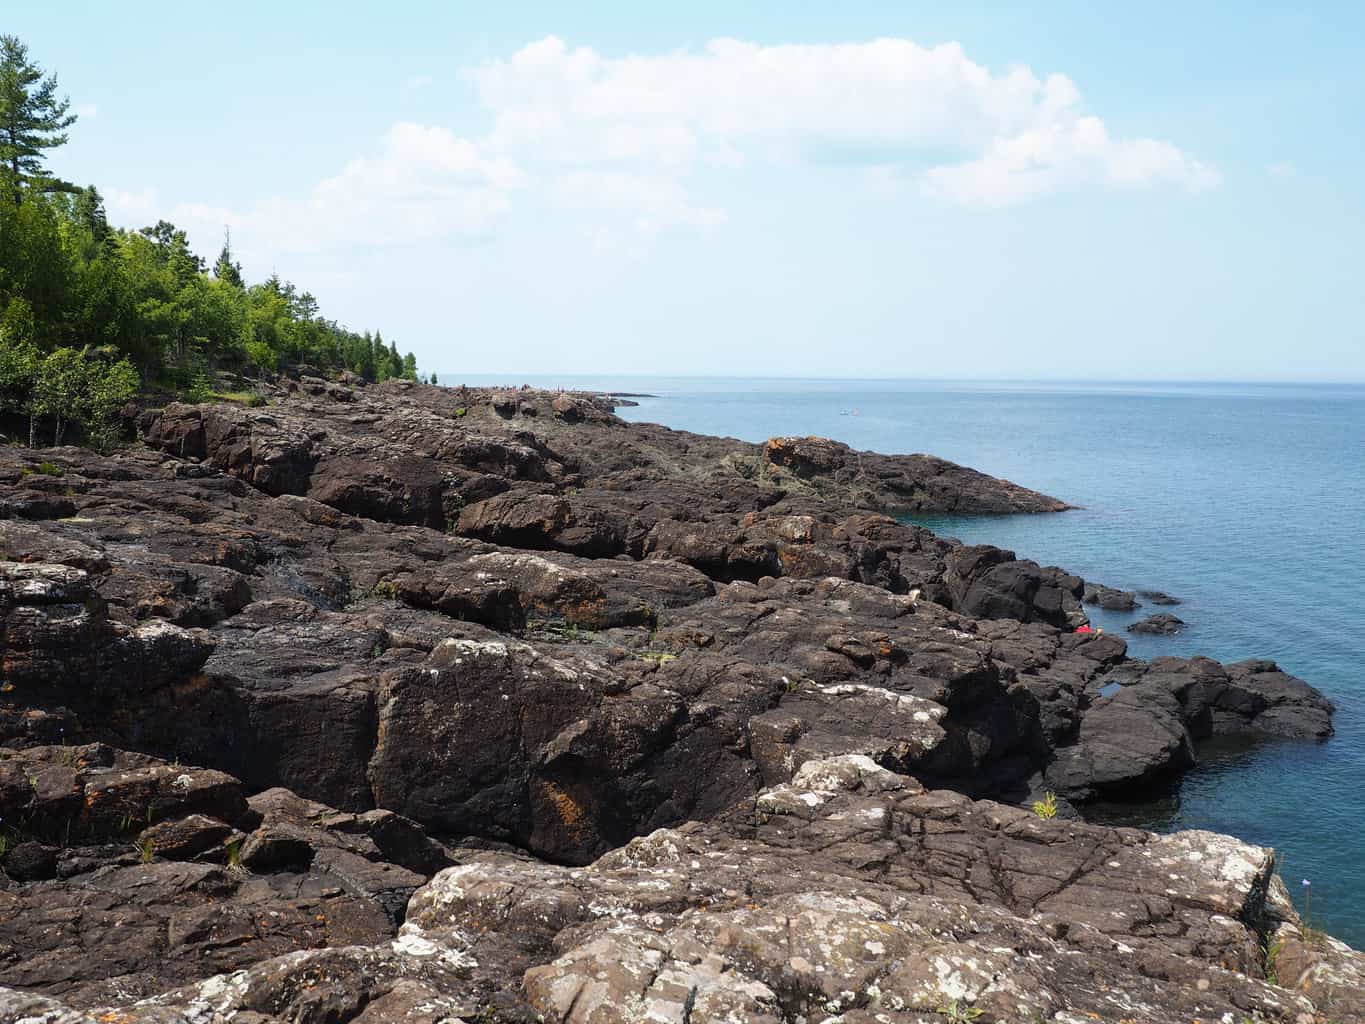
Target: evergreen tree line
[{"x": 90, "y": 312}]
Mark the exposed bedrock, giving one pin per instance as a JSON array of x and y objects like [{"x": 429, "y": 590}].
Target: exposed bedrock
[
  {"x": 371, "y": 615},
  {"x": 849, "y": 893},
  {"x": 629, "y": 627}
]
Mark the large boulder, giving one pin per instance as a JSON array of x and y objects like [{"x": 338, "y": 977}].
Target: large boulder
[
  {"x": 1158, "y": 625},
  {"x": 987, "y": 582},
  {"x": 394, "y": 489},
  {"x": 1110, "y": 599}
]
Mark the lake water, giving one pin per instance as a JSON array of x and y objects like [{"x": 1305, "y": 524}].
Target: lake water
[{"x": 1246, "y": 501}]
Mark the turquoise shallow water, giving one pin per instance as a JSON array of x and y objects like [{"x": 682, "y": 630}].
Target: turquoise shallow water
[{"x": 1247, "y": 501}]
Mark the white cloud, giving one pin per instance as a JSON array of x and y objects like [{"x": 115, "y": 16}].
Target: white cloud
[
  {"x": 628, "y": 141},
  {"x": 1065, "y": 156},
  {"x": 418, "y": 82},
  {"x": 1281, "y": 169},
  {"x": 425, "y": 183},
  {"x": 86, "y": 110},
  {"x": 654, "y": 203},
  {"x": 970, "y": 135}
]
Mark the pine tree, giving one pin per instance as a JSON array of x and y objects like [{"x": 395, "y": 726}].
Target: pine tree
[
  {"x": 88, "y": 209},
  {"x": 32, "y": 119},
  {"x": 380, "y": 355},
  {"x": 227, "y": 269},
  {"x": 367, "y": 365}
]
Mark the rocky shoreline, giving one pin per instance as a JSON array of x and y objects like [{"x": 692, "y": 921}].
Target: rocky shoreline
[{"x": 412, "y": 703}]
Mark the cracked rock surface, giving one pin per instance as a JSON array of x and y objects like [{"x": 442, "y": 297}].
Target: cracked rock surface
[{"x": 417, "y": 704}]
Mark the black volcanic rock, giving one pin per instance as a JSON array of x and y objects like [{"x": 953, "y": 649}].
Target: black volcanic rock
[
  {"x": 1158, "y": 597},
  {"x": 1109, "y": 599},
  {"x": 990, "y": 583},
  {"x": 371, "y": 615},
  {"x": 1161, "y": 624},
  {"x": 909, "y": 483}
]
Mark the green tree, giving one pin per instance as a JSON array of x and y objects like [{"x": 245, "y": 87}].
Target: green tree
[
  {"x": 73, "y": 285},
  {"x": 366, "y": 367},
  {"x": 108, "y": 387},
  {"x": 59, "y": 388},
  {"x": 174, "y": 250},
  {"x": 20, "y": 363},
  {"x": 227, "y": 269},
  {"x": 32, "y": 120},
  {"x": 87, "y": 209},
  {"x": 86, "y": 387},
  {"x": 35, "y": 265}
]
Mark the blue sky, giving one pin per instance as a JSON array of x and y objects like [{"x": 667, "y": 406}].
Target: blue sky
[{"x": 779, "y": 189}]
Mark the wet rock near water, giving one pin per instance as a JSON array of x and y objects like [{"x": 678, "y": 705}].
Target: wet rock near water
[
  {"x": 1158, "y": 598},
  {"x": 1161, "y": 624},
  {"x": 1109, "y": 599}
]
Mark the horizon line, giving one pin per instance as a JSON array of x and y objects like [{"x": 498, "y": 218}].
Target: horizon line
[{"x": 1267, "y": 381}]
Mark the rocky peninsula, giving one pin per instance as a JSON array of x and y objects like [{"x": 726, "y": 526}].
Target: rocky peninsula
[{"x": 405, "y": 703}]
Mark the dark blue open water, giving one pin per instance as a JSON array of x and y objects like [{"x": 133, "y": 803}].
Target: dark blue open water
[{"x": 1246, "y": 501}]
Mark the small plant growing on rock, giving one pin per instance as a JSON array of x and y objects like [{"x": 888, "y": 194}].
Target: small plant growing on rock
[
  {"x": 146, "y": 851},
  {"x": 387, "y": 589},
  {"x": 1313, "y": 936},
  {"x": 1046, "y": 808},
  {"x": 1270, "y": 952},
  {"x": 658, "y": 657},
  {"x": 958, "y": 1012},
  {"x": 571, "y": 632}
]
